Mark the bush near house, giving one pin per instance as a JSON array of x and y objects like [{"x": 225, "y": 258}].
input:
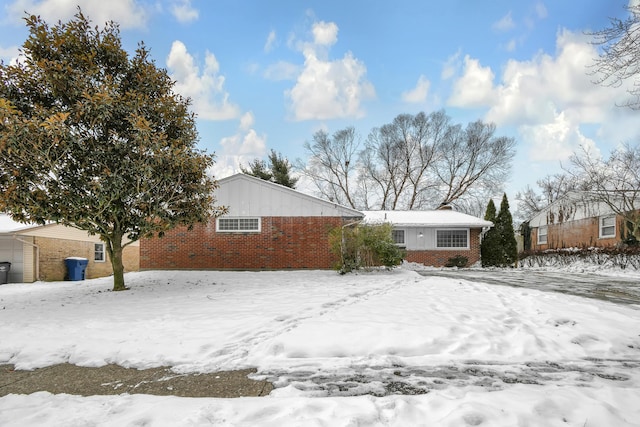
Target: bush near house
[
  {"x": 365, "y": 246},
  {"x": 457, "y": 261}
]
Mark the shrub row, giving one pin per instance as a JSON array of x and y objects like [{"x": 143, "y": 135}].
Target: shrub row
[{"x": 622, "y": 257}]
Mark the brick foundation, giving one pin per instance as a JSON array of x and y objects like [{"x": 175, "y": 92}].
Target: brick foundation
[{"x": 283, "y": 243}]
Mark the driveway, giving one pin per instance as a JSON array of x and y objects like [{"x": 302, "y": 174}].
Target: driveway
[{"x": 620, "y": 290}]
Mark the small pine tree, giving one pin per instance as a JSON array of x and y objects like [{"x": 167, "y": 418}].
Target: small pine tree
[
  {"x": 504, "y": 226},
  {"x": 281, "y": 170},
  {"x": 490, "y": 252},
  {"x": 257, "y": 168},
  {"x": 278, "y": 170}
]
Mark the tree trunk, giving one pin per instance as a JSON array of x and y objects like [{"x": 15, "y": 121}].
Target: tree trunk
[
  {"x": 115, "y": 253},
  {"x": 118, "y": 269}
]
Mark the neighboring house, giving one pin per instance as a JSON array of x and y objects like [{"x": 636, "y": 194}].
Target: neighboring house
[
  {"x": 37, "y": 252},
  {"x": 268, "y": 226},
  {"x": 575, "y": 220},
  {"x": 433, "y": 237}
]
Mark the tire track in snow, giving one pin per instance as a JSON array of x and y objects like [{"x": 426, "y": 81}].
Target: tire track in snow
[{"x": 491, "y": 376}]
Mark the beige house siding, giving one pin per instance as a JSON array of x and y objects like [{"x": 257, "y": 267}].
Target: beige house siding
[
  {"x": 29, "y": 260},
  {"x": 49, "y": 245},
  {"x": 53, "y": 253}
]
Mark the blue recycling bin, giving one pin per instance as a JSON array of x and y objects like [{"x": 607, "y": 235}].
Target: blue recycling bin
[{"x": 76, "y": 267}]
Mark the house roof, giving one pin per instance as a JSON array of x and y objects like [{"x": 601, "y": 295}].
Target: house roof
[
  {"x": 432, "y": 218},
  {"x": 8, "y": 225},
  {"x": 575, "y": 205},
  {"x": 248, "y": 195}
]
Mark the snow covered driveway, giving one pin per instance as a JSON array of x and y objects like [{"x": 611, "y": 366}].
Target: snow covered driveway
[
  {"x": 622, "y": 287},
  {"x": 382, "y": 348}
]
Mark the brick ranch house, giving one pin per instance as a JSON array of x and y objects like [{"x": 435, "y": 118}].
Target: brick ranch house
[
  {"x": 268, "y": 226},
  {"x": 433, "y": 237},
  {"x": 575, "y": 220},
  {"x": 37, "y": 252}
]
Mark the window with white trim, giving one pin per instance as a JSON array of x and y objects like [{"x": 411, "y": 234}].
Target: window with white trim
[
  {"x": 238, "y": 225},
  {"x": 607, "y": 227},
  {"x": 98, "y": 252},
  {"x": 398, "y": 237},
  {"x": 542, "y": 235},
  {"x": 452, "y": 239}
]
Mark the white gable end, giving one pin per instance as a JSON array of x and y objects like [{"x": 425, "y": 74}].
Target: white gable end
[{"x": 245, "y": 195}]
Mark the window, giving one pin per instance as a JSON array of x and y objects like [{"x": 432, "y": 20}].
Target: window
[
  {"x": 238, "y": 225},
  {"x": 398, "y": 237},
  {"x": 98, "y": 252},
  {"x": 608, "y": 227},
  {"x": 542, "y": 235},
  {"x": 452, "y": 239}
]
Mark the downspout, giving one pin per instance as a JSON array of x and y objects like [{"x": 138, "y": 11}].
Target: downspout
[{"x": 37, "y": 272}]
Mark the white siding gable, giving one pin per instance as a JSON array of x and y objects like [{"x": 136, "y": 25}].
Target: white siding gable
[{"x": 247, "y": 196}]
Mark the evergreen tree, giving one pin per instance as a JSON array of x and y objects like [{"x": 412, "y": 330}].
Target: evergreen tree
[
  {"x": 281, "y": 170},
  {"x": 258, "y": 168},
  {"x": 490, "y": 251},
  {"x": 93, "y": 139},
  {"x": 278, "y": 170},
  {"x": 504, "y": 226}
]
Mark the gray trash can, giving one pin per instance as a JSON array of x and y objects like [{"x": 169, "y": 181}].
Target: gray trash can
[
  {"x": 76, "y": 267},
  {"x": 4, "y": 272}
]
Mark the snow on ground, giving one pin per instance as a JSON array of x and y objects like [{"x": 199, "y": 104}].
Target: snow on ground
[{"x": 336, "y": 347}]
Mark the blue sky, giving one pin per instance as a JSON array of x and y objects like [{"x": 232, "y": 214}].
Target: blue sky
[{"x": 269, "y": 74}]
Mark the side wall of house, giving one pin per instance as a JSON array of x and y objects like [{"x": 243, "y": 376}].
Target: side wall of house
[
  {"x": 54, "y": 251},
  {"x": 282, "y": 243},
  {"x": 439, "y": 257},
  {"x": 579, "y": 233}
]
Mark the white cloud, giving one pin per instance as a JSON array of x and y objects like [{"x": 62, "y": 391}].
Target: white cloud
[
  {"x": 205, "y": 88},
  {"x": 511, "y": 45},
  {"x": 325, "y": 33},
  {"x": 328, "y": 89},
  {"x": 9, "y": 54},
  {"x": 504, "y": 24},
  {"x": 475, "y": 87},
  {"x": 239, "y": 149},
  {"x": 451, "y": 66},
  {"x": 419, "y": 93},
  {"x": 550, "y": 99},
  {"x": 555, "y": 140},
  {"x": 541, "y": 10},
  {"x": 127, "y": 13},
  {"x": 184, "y": 12},
  {"x": 246, "y": 121},
  {"x": 271, "y": 39},
  {"x": 282, "y": 70}
]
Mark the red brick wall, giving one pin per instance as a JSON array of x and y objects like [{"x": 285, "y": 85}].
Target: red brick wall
[
  {"x": 284, "y": 242},
  {"x": 574, "y": 234},
  {"x": 438, "y": 258}
]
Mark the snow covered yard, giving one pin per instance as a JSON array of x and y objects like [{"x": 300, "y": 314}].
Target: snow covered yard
[{"x": 336, "y": 347}]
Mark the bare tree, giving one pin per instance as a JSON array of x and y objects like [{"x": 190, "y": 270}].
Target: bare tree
[
  {"x": 399, "y": 158},
  {"x": 614, "y": 182},
  {"x": 414, "y": 162},
  {"x": 473, "y": 158},
  {"x": 551, "y": 188},
  {"x": 332, "y": 165},
  {"x": 619, "y": 59}
]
